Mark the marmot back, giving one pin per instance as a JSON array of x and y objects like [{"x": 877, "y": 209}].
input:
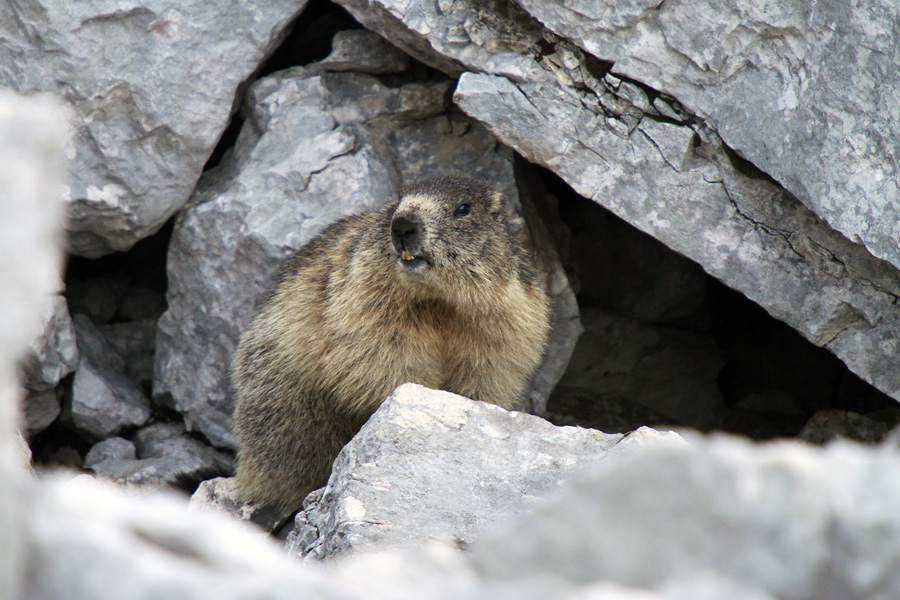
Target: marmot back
[{"x": 436, "y": 289}]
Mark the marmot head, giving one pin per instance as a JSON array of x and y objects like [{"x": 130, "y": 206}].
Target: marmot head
[{"x": 452, "y": 235}]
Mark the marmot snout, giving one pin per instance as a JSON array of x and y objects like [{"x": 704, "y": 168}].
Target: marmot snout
[{"x": 437, "y": 288}]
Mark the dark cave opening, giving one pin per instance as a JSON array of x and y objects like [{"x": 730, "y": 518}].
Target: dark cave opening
[{"x": 753, "y": 374}]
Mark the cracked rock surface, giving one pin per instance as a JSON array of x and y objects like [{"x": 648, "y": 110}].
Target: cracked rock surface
[
  {"x": 150, "y": 86},
  {"x": 433, "y": 465}
]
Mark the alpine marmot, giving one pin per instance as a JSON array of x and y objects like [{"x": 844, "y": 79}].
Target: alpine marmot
[{"x": 438, "y": 288}]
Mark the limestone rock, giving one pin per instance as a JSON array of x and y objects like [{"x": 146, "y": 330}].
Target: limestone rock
[
  {"x": 54, "y": 354},
  {"x": 39, "y": 410},
  {"x": 104, "y": 400},
  {"x": 159, "y": 455},
  {"x": 316, "y": 146},
  {"x": 221, "y": 494},
  {"x": 827, "y": 425},
  {"x": 135, "y": 342},
  {"x": 768, "y": 87},
  {"x": 151, "y": 85},
  {"x": 114, "y": 448},
  {"x": 745, "y": 231},
  {"x": 365, "y": 52},
  {"x": 430, "y": 464}
]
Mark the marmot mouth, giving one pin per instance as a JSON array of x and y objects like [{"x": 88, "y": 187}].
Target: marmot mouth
[{"x": 408, "y": 261}]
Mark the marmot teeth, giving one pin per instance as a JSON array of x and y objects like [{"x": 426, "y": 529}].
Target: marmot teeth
[{"x": 405, "y": 255}]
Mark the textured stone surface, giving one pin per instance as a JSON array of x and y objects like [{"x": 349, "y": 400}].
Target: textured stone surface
[
  {"x": 104, "y": 400},
  {"x": 54, "y": 354},
  {"x": 365, "y": 52},
  {"x": 221, "y": 494},
  {"x": 827, "y": 425},
  {"x": 316, "y": 147},
  {"x": 806, "y": 92},
  {"x": 39, "y": 410},
  {"x": 152, "y": 84},
  {"x": 159, "y": 455},
  {"x": 789, "y": 520},
  {"x": 431, "y": 464},
  {"x": 749, "y": 233}
]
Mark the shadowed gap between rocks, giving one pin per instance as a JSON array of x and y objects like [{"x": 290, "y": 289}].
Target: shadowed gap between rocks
[{"x": 665, "y": 344}]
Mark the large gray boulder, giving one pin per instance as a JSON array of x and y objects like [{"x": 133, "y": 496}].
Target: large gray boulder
[
  {"x": 633, "y": 144},
  {"x": 151, "y": 85},
  {"x": 765, "y": 77},
  {"x": 316, "y": 146},
  {"x": 433, "y": 465}
]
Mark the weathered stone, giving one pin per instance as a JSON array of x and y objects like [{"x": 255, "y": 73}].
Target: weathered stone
[
  {"x": 39, "y": 410},
  {"x": 152, "y": 84},
  {"x": 789, "y": 520},
  {"x": 431, "y": 464},
  {"x": 747, "y": 232},
  {"x": 365, "y": 52},
  {"x": 94, "y": 346},
  {"x": 168, "y": 440},
  {"x": 827, "y": 425},
  {"x": 316, "y": 146},
  {"x": 496, "y": 36},
  {"x": 105, "y": 402},
  {"x": 221, "y": 494},
  {"x": 160, "y": 454},
  {"x": 114, "y": 448},
  {"x": 54, "y": 353},
  {"x": 769, "y": 89}
]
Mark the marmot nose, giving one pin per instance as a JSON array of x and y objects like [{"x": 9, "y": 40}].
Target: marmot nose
[{"x": 404, "y": 232}]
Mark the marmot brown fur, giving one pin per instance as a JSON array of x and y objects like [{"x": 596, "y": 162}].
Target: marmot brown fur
[{"x": 437, "y": 289}]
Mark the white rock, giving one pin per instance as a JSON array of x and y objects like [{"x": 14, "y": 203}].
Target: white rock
[
  {"x": 785, "y": 518},
  {"x": 433, "y": 465}
]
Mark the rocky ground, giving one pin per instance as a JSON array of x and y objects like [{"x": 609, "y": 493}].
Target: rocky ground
[{"x": 716, "y": 224}]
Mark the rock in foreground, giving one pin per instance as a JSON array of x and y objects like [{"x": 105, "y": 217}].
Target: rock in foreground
[{"x": 431, "y": 464}]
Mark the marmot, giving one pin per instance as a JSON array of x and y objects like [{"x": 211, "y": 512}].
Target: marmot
[{"x": 437, "y": 288}]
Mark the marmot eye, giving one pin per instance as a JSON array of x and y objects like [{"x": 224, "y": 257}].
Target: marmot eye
[{"x": 462, "y": 210}]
